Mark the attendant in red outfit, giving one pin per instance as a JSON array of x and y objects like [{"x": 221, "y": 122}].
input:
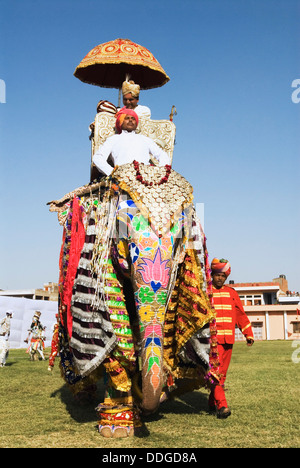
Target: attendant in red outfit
[{"x": 229, "y": 313}]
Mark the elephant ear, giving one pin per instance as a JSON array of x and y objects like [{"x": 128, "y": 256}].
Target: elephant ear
[
  {"x": 192, "y": 325},
  {"x": 73, "y": 244}
]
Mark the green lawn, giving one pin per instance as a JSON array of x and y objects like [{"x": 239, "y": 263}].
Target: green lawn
[{"x": 37, "y": 410}]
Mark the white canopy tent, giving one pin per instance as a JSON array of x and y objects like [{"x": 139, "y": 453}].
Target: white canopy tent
[{"x": 23, "y": 311}]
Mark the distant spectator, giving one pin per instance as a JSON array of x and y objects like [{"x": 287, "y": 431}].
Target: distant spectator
[
  {"x": 37, "y": 342},
  {"x": 4, "y": 337}
]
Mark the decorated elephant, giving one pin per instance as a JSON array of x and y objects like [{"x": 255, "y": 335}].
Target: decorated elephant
[{"x": 134, "y": 294}]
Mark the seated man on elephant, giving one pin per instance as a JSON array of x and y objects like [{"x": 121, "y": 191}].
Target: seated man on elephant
[{"x": 127, "y": 146}]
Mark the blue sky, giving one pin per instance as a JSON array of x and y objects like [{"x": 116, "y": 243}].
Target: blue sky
[{"x": 231, "y": 64}]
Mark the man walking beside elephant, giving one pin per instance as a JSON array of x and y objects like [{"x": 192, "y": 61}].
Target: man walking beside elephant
[{"x": 229, "y": 313}]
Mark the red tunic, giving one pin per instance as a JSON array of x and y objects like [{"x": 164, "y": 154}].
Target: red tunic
[{"x": 230, "y": 312}]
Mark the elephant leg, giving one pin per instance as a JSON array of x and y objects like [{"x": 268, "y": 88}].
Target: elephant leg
[
  {"x": 85, "y": 392},
  {"x": 116, "y": 419},
  {"x": 118, "y": 416}
]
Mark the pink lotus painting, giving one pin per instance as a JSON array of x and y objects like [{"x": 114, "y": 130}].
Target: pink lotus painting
[{"x": 155, "y": 272}]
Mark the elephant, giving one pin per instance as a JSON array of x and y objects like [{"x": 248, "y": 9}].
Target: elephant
[{"x": 135, "y": 301}]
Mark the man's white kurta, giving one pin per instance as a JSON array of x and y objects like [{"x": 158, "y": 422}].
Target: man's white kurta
[
  {"x": 127, "y": 147},
  {"x": 142, "y": 111}
]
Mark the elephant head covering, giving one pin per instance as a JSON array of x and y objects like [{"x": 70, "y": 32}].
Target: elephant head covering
[
  {"x": 120, "y": 116},
  {"x": 221, "y": 266},
  {"x": 131, "y": 87}
]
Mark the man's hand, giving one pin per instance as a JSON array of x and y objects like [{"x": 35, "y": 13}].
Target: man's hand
[{"x": 250, "y": 341}]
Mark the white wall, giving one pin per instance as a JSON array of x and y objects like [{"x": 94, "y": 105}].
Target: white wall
[{"x": 23, "y": 312}]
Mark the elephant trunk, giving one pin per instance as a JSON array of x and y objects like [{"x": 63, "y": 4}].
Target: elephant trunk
[{"x": 152, "y": 366}]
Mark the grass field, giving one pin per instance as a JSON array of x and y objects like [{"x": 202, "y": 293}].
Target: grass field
[{"x": 37, "y": 410}]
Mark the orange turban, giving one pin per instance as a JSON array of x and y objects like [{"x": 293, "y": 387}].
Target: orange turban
[
  {"x": 120, "y": 116},
  {"x": 221, "y": 266}
]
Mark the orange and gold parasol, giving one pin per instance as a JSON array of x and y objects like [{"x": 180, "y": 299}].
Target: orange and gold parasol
[{"x": 108, "y": 64}]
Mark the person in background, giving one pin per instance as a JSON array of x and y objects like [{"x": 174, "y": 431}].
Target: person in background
[
  {"x": 131, "y": 95},
  {"x": 4, "y": 337},
  {"x": 229, "y": 313},
  {"x": 37, "y": 333},
  {"x": 102, "y": 106}
]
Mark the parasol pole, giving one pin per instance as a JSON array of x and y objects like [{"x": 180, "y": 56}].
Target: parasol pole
[{"x": 127, "y": 78}]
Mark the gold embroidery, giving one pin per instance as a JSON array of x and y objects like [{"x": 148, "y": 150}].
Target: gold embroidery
[{"x": 161, "y": 204}]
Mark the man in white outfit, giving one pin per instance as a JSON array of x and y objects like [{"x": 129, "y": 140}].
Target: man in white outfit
[
  {"x": 4, "y": 336},
  {"x": 128, "y": 146}
]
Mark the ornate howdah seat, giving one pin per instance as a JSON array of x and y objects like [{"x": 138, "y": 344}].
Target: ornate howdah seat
[{"x": 161, "y": 131}]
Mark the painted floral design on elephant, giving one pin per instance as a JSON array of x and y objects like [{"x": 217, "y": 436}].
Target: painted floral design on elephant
[
  {"x": 155, "y": 272},
  {"x": 153, "y": 347}
]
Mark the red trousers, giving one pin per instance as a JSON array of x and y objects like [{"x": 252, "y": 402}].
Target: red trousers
[{"x": 217, "y": 396}]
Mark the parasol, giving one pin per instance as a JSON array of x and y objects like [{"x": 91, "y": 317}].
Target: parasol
[{"x": 108, "y": 64}]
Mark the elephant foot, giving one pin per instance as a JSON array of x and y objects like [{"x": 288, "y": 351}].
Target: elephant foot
[
  {"x": 117, "y": 432},
  {"x": 118, "y": 422},
  {"x": 105, "y": 431}
]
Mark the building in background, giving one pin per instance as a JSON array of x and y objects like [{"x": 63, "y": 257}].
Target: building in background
[
  {"x": 273, "y": 310},
  {"x": 48, "y": 293}
]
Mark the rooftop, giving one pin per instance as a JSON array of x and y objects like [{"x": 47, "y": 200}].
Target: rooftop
[{"x": 256, "y": 285}]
